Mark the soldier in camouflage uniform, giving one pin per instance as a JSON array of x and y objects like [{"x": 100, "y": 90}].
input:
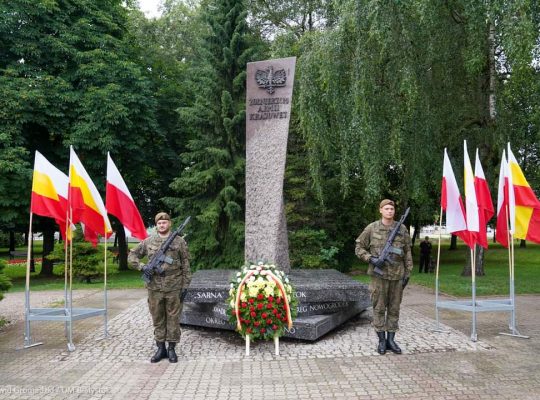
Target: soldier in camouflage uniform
[
  {"x": 386, "y": 290},
  {"x": 164, "y": 292}
]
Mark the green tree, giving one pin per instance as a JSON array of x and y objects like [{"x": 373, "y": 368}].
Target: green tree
[
  {"x": 69, "y": 75},
  {"x": 211, "y": 185},
  {"x": 403, "y": 80}
]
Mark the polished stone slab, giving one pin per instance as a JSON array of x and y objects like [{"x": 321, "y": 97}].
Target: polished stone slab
[
  {"x": 306, "y": 328},
  {"x": 326, "y": 298},
  {"x": 311, "y": 286}
]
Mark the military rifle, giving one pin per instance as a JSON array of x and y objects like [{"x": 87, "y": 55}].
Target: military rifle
[
  {"x": 154, "y": 265},
  {"x": 388, "y": 248}
]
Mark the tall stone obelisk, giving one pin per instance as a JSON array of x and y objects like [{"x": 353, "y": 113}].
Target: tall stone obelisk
[{"x": 268, "y": 110}]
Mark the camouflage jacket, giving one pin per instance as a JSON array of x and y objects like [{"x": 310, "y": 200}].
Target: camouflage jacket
[
  {"x": 371, "y": 242},
  {"x": 176, "y": 275}
]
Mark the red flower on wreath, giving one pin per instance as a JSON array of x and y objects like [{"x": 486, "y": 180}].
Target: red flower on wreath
[{"x": 261, "y": 302}]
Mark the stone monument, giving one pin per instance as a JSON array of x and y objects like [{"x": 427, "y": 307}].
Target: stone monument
[
  {"x": 268, "y": 110},
  {"x": 326, "y": 298}
]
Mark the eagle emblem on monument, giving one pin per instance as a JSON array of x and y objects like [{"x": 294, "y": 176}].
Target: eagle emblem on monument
[{"x": 269, "y": 79}]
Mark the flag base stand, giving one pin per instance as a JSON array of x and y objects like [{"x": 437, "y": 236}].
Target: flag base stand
[
  {"x": 27, "y": 346},
  {"x": 516, "y": 334},
  {"x": 492, "y": 305},
  {"x": 65, "y": 315}
]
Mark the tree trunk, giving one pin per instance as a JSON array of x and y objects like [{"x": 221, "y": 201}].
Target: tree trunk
[
  {"x": 122, "y": 249},
  {"x": 415, "y": 234},
  {"x": 467, "y": 270},
  {"x": 11, "y": 241},
  {"x": 453, "y": 243},
  {"x": 48, "y": 246},
  {"x": 522, "y": 244}
]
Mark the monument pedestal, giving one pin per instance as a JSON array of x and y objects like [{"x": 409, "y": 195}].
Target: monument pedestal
[{"x": 326, "y": 299}]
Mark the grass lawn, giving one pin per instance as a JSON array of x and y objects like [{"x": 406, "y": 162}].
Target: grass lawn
[
  {"x": 17, "y": 274},
  {"x": 496, "y": 278},
  {"x": 495, "y": 281}
]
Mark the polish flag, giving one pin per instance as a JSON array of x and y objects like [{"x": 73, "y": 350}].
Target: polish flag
[
  {"x": 501, "y": 233},
  {"x": 471, "y": 203},
  {"x": 453, "y": 205},
  {"x": 485, "y": 204},
  {"x": 120, "y": 203}
]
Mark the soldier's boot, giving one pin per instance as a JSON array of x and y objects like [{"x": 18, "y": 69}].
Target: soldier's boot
[
  {"x": 391, "y": 345},
  {"x": 381, "y": 348},
  {"x": 173, "y": 358},
  {"x": 161, "y": 353}
]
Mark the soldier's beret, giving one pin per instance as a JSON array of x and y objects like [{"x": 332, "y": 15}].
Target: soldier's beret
[
  {"x": 385, "y": 202},
  {"x": 162, "y": 215}
]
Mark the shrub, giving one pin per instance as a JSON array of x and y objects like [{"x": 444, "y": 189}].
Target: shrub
[
  {"x": 5, "y": 283},
  {"x": 87, "y": 260}
]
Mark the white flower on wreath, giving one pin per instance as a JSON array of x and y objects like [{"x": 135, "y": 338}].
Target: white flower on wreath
[
  {"x": 243, "y": 296},
  {"x": 253, "y": 291},
  {"x": 268, "y": 291}
]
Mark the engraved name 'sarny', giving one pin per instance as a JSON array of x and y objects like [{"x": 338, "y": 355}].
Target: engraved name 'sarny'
[{"x": 268, "y": 108}]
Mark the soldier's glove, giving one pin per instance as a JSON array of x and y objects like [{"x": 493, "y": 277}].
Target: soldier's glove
[
  {"x": 377, "y": 265},
  {"x": 405, "y": 281}
]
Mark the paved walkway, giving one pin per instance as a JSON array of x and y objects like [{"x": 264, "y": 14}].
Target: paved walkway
[{"x": 212, "y": 365}]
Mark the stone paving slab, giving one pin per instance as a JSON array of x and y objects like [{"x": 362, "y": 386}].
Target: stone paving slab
[
  {"x": 341, "y": 365},
  {"x": 131, "y": 341}
]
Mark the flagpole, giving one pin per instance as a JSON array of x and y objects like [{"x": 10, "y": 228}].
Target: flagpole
[
  {"x": 27, "y": 334},
  {"x": 437, "y": 273},
  {"x": 512, "y": 287},
  {"x": 474, "y": 336},
  {"x": 71, "y": 347},
  {"x": 106, "y": 333},
  {"x": 67, "y": 240}
]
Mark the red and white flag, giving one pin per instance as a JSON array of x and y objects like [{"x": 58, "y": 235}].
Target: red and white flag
[
  {"x": 483, "y": 198},
  {"x": 503, "y": 203},
  {"x": 471, "y": 203},
  {"x": 120, "y": 203},
  {"x": 451, "y": 203}
]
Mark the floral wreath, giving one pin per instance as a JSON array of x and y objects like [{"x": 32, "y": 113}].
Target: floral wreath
[{"x": 261, "y": 303}]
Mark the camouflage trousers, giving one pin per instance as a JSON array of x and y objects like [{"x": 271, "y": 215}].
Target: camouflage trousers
[
  {"x": 386, "y": 300},
  {"x": 165, "y": 308}
]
